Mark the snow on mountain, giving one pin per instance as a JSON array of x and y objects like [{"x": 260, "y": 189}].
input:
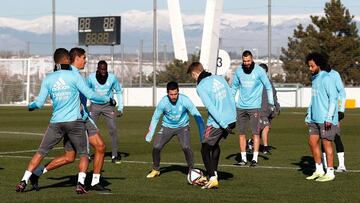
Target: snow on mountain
[{"x": 236, "y": 30}]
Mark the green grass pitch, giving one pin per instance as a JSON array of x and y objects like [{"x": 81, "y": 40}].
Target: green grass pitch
[{"x": 279, "y": 177}]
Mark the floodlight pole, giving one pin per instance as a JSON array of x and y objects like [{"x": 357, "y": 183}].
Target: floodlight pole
[
  {"x": 154, "y": 50},
  {"x": 269, "y": 38}
]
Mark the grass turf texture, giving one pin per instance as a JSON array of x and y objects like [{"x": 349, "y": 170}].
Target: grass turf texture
[{"x": 128, "y": 183}]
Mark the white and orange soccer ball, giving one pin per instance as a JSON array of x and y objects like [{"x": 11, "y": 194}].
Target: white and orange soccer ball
[{"x": 194, "y": 176}]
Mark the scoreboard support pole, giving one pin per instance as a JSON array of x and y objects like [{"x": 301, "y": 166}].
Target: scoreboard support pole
[{"x": 112, "y": 58}]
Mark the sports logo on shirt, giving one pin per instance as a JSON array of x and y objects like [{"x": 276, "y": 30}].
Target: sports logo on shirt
[
  {"x": 219, "y": 89},
  {"x": 60, "y": 84}
]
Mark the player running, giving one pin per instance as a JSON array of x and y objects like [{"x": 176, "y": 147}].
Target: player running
[{"x": 63, "y": 87}]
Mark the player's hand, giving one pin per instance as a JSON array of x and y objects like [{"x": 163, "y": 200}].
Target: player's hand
[
  {"x": 119, "y": 114},
  {"x": 32, "y": 107},
  {"x": 230, "y": 127},
  {"x": 327, "y": 125},
  {"x": 148, "y": 137},
  {"x": 112, "y": 102},
  {"x": 341, "y": 115}
]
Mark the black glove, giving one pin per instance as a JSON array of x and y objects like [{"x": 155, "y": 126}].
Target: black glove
[
  {"x": 119, "y": 114},
  {"x": 327, "y": 125},
  {"x": 341, "y": 115},
  {"x": 112, "y": 102},
  {"x": 230, "y": 127}
]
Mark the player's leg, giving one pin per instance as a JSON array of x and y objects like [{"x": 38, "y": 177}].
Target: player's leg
[
  {"x": 53, "y": 136},
  {"x": 183, "y": 135},
  {"x": 242, "y": 120},
  {"x": 96, "y": 141},
  {"x": 110, "y": 119},
  {"x": 327, "y": 138},
  {"x": 255, "y": 129},
  {"x": 313, "y": 141},
  {"x": 77, "y": 136},
  {"x": 210, "y": 151},
  {"x": 340, "y": 151},
  {"x": 161, "y": 139}
]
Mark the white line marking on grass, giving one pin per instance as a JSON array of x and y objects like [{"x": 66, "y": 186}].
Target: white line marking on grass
[
  {"x": 20, "y": 133},
  {"x": 184, "y": 164},
  {"x": 25, "y": 151}
]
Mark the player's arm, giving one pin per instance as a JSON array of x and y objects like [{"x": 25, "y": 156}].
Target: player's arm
[
  {"x": 331, "y": 91},
  {"x": 41, "y": 99},
  {"x": 235, "y": 84},
  {"x": 118, "y": 91},
  {"x": 197, "y": 116},
  {"x": 154, "y": 121},
  {"x": 211, "y": 108},
  {"x": 266, "y": 82},
  {"x": 89, "y": 93},
  {"x": 341, "y": 90}
]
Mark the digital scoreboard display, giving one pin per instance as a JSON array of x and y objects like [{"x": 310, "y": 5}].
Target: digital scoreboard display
[{"x": 99, "y": 30}]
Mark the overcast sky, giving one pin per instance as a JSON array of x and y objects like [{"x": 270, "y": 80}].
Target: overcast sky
[{"x": 30, "y": 9}]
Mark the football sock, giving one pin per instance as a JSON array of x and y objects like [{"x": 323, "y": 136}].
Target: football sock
[
  {"x": 341, "y": 158},
  {"x": 338, "y": 143},
  {"x": 81, "y": 177},
  {"x": 95, "y": 179},
  {"x": 255, "y": 156},
  {"x": 215, "y": 156},
  {"x": 319, "y": 167},
  {"x": 243, "y": 156},
  {"x": 324, "y": 160},
  {"x": 205, "y": 153},
  {"x": 26, "y": 176},
  {"x": 330, "y": 171},
  {"x": 39, "y": 170}
]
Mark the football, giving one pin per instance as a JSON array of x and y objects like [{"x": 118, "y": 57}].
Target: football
[{"x": 194, "y": 175}]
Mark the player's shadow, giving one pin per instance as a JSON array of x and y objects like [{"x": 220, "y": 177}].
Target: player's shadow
[
  {"x": 172, "y": 168},
  {"x": 185, "y": 170},
  {"x": 1, "y": 168},
  {"x": 71, "y": 181},
  {"x": 109, "y": 154},
  {"x": 249, "y": 155},
  {"x": 306, "y": 165}
]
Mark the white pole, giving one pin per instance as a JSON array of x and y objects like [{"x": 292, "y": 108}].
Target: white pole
[
  {"x": 177, "y": 30},
  {"x": 210, "y": 37}
]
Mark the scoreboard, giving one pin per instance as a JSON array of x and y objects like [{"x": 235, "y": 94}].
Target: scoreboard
[{"x": 99, "y": 30}]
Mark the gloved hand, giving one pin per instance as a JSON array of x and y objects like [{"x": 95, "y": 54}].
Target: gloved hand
[
  {"x": 119, "y": 113},
  {"x": 327, "y": 125},
  {"x": 112, "y": 102},
  {"x": 341, "y": 115},
  {"x": 32, "y": 106},
  {"x": 230, "y": 127}
]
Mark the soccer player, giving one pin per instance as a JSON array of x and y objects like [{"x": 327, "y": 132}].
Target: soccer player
[
  {"x": 338, "y": 143},
  {"x": 78, "y": 61},
  {"x": 175, "y": 108},
  {"x": 250, "y": 79},
  {"x": 105, "y": 83},
  {"x": 63, "y": 87},
  {"x": 322, "y": 116},
  {"x": 215, "y": 93},
  {"x": 266, "y": 115}
]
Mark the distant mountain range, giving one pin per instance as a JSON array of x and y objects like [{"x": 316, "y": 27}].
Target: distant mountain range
[{"x": 238, "y": 32}]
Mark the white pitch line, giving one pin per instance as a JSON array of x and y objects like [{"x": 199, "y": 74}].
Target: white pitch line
[
  {"x": 20, "y": 133},
  {"x": 184, "y": 164},
  {"x": 25, "y": 151}
]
